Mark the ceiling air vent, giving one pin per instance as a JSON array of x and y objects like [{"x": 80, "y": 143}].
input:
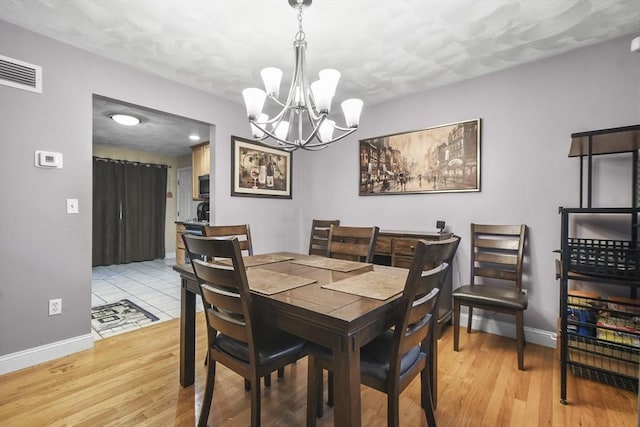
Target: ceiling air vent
[{"x": 20, "y": 75}]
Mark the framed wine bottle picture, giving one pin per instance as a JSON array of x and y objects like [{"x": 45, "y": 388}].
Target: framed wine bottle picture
[{"x": 258, "y": 170}]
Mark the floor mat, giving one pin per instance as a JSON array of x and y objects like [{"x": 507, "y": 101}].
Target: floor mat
[{"x": 109, "y": 319}]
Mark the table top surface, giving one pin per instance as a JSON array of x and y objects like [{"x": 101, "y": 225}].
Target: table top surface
[{"x": 337, "y": 307}]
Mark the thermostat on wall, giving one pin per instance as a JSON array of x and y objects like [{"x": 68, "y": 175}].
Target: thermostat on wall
[{"x": 48, "y": 159}]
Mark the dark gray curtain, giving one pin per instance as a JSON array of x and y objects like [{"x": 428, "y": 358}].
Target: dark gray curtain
[{"x": 129, "y": 211}]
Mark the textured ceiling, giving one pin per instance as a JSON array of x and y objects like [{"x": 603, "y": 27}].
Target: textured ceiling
[{"x": 384, "y": 49}]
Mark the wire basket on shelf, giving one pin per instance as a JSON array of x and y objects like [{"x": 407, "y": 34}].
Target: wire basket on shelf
[{"x": 606, "y": 258}]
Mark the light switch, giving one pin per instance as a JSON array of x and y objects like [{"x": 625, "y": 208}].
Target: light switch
[{"x": 72, "y": 206}]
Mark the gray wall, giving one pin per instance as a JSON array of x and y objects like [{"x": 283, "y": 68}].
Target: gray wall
[
  {"x": 528, "y": 114},
  {"x": 45, "y": 253}
]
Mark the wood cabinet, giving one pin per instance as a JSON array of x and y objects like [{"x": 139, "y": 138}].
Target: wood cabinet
[
  {"x": 196, "y": 228},
  {"x": 200, "y": 156},
  {"x": 180, "y": 252}
]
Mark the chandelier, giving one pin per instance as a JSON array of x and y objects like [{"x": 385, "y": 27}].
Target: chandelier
[{"x": 303, "y": 121}]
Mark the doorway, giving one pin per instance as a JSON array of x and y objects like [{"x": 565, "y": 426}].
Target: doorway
[{"x": 161, "y": 138}]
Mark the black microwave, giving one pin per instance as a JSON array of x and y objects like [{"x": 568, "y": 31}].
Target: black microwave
[{"x": 203, "y": 186}]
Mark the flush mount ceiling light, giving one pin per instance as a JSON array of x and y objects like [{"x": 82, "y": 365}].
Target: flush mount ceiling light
[
  {"x": 125, "y": 119},
  {"x": 194, "y": 137},
  {"x": 303, "y": 120}
]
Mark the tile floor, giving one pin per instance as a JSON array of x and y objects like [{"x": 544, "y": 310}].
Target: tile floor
[{"x": 152, "y": 285}]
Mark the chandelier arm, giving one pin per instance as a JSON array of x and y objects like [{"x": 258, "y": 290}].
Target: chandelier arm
[
  {"x": 350, "y": 130},
  {"x": 315, "y": 125},
  {"x": 277, "y": 118},
  {"x": 281, "y": 141},
  {"x": 331, "y": 141},
  {"x": 277, "y": 101},
  {"x": 312, "y": 110},
  {"x": 314, "y": 148}
]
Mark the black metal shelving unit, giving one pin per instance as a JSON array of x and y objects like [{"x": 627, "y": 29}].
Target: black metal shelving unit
[{"x": 598, "y": 338}]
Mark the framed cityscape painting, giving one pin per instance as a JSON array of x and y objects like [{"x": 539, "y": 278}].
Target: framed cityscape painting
[
  {"x": 258, "y": 170},
  {"x": 439, "y": 159}
]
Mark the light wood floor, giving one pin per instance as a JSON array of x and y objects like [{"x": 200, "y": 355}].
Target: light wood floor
[{"x": 132, "y": 380}]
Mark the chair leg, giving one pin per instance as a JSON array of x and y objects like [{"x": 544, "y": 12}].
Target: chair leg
[
  {"x": 393, "y": 409},
  {"x": 255, "y": 404},
  {"x": 520, "y": 338},
  {"x": 314, "y": 391},
  {"x": 267, "y": 380},
  {"x": 330, "y": 388},
  {"x": 281, "y": 373},
  {"x": 469, "y": 319},
  {"x": 208, "y": 394},
  {"x": 427, "y": 398},
  {"x": 456, "y": 324}
]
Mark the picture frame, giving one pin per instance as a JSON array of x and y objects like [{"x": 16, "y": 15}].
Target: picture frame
[
  {"x": 258, "y": 170},
  {"x": 439, "y": 159}
]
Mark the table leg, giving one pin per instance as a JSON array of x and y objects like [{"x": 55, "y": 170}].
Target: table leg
[
  {"x": 187, "y": 335},
  {"x": 346, "y": 378}
]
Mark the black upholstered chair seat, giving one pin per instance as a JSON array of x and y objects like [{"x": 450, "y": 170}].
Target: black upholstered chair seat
[
  {"x": 375, "y": 356},
  {"x": 278, "y": 345},
  {"x": 492, "y": 295}
]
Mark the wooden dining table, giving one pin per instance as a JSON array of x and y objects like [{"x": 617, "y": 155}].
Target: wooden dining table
[{"x": 343, "y": 322}]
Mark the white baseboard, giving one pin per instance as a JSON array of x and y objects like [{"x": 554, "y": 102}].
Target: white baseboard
[
  {"x": 169, "y": 255},
  {"x": 506, "y": 329},
  {"x": 44, "y": 353}
]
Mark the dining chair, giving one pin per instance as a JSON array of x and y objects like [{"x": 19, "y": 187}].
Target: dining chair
[
  {"x": 352, "y": 243},
  {"x": 439, "y": 251},
  {"x": 497, "y": 253},
  {"x": 319, "y": 239},
  {"x": 241, "y": 231},
  {"x": 235, "y": 337},
  {"x": 391, "y": 361}
]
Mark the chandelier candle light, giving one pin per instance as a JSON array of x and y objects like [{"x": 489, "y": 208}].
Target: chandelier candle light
[{"x": 307, "y": 107}]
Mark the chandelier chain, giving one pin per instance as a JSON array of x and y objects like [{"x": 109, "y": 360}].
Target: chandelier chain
[{"x": 300, "y": 35}]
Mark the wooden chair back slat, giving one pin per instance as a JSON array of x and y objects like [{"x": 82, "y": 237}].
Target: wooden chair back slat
[
  {"x": 494, "y": 258},
  {"x": 506, "y": 244},
  {"x": 223, "y": 297},
  {"x": 498, "y": 230},
  {"x": 241, "y": 231},
  {"x": 227, "y": 325},
  {"x": 496, "y": 274},
  {"x": 355, "y": 243}
]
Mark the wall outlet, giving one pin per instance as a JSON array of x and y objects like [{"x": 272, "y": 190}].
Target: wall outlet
[{"x": 55, "y": 306}]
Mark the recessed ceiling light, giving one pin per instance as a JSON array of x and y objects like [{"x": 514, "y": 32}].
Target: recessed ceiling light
[
  {"x": 194, "y": 137},
  {"x": 125, "y": 119}
]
